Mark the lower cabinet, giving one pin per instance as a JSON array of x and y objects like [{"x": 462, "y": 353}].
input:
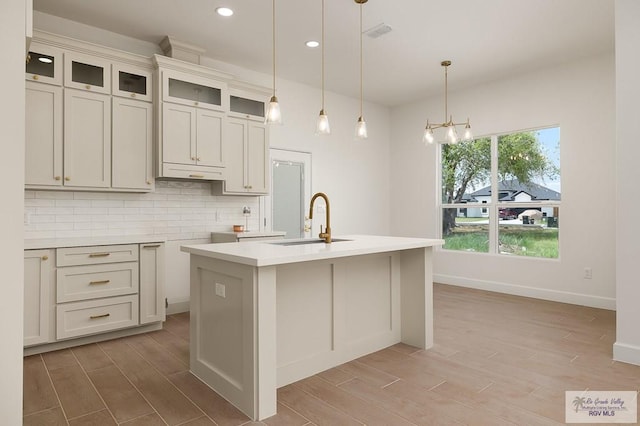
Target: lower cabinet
[
  {"x": 37, "y": 271},
  {"x": 73, "y": 292}
]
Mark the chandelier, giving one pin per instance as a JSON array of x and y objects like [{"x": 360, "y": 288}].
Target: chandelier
[{"x": 451, "y": 134}]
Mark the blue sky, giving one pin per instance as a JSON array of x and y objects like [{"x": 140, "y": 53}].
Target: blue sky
[{"x": 550, "y": 140}]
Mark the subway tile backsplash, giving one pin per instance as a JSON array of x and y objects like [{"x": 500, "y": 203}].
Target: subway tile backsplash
[{"x": 176, "y": 211}]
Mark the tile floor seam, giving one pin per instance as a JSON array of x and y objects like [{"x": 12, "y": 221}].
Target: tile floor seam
[
  {"x": 94, "y": 388},
  {"x": 292, "y": 409},
  {"x": 55, "y": 391},
  {"x": 159, "y": 344},
  {"x": 330, "y": 405},
  {"x": 133, "y": 385}
]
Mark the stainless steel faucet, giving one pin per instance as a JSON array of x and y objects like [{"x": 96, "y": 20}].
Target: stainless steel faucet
[{"x": 326, "y": 235}]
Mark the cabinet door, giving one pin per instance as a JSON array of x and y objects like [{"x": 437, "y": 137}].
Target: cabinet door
[
  {"x": 43, "y": 134},
  {"x": 152, "y": 302},
  {"x": 86, "y": 72},
  {"x": 87, "y": 139},
  {"x": 234, "y": 148},
  {"x": 209, "y": 138},
  {"x": 178, "y": 134},
  {"x": 257, "y": 159},
  {"x": 37, "y": 264},
  {"x": 129, "y": 82},
  {"x": 247, "y": 105},
  {"x": 131, "y": 162},
  {"x": 191, "y": 90},
  {"x": 44, "y": 64}
]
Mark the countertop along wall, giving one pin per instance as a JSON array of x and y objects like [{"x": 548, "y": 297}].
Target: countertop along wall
[
  {"x": 354, "y": 174},
  {"x": 580, "y": 98}
]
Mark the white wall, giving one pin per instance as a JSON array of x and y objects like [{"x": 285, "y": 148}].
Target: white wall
[
  {"x": 12, "y": 31},
  {"x": 579, "y": 97},
  {"x": 627, "y": 346}
]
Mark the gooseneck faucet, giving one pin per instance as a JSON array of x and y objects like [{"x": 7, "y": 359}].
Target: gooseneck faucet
[{"x": 326, "y": 235}]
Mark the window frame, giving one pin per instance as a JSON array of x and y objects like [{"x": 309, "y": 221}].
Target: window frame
[{"x": 493, "y": 206}]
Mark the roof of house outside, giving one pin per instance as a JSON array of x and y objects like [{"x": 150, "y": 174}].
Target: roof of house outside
[{"x": 513, "y": 187}]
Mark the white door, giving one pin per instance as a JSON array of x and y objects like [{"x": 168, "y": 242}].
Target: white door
[{"x": 288, "y": 203}]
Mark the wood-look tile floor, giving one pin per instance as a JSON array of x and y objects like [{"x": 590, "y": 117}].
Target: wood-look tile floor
[{"x": 497, "y": 360}]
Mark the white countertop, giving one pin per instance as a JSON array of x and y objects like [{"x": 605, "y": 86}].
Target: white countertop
[
  {"x": 35, "y": 244},
  {"x": 275, "y": 253}
]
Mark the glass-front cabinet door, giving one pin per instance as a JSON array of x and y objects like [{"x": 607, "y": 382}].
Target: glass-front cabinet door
[
  {"x": 87, "y": 72},
  {"x": 247, "y": 105},
  {"x": 131, "y": 82},
  {"x": 194, "y": 91},
  {"x": 44, "y": 64}
]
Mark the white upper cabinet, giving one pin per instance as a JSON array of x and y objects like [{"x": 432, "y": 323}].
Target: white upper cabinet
[
  {"x": 44, "y": 64},
  {"x": 132, "y": 145},
  {"x": 192, "y": 90},
  {"x": 87, "y": 139},
  {"x": 247, "y": 105},
  {"x": 85, "y": 72},
  {"x": 130, "y": 82},
  {"x": 43, "y": 135},
  {"x": 247, "y": 149}
]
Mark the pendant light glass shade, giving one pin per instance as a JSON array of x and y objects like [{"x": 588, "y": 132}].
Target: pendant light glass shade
[
  {"x": 273, "y": 112},
  {"x": 427, "y": 137},
  {"x": 361, "y": 125},
  {"x": 361, "y": 128},
  {"x": 322, "y": 125},
  {"x": 452, "y": 135},
  {"x": 468, "y": 135},
  {"x": 273, "y": 115}
]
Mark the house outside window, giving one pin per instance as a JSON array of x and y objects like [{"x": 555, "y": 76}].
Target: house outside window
[{"x": 508, "y": 186}]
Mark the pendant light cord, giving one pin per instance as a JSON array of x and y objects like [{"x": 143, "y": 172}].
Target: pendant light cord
[
  {"x": 361, "y": 85},
  {"x": 273, "y": 11},
  {"x": 322, "y": 41}
]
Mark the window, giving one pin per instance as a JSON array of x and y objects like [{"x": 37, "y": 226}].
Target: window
[{"x": 501, "y": 194}]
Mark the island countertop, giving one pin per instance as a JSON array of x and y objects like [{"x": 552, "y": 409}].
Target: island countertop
[{"x": 293, "y": 251}]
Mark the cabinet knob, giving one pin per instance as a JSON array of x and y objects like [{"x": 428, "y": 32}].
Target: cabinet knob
[
  {"x": 67, "y": 178},
  {"x": 196, "y": 103},
  {"x": 193, "y": 158},
  {"x": 197, "y": 158},
  {"x": 88, "y": 86},
  {"x": 133, "y": 95},
  {"x": 35, "y": 77},
  {"x": 45, "y": 257},
  {"x": 57, "y": 178},
  {"x": 148, "y": 182}
]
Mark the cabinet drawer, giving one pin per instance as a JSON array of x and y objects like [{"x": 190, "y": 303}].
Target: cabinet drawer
[
  {"x": 96, "y": 316},
  {"x": 94, "y": 281},
  {"x": 73, "y": 256},
  {"x": 193, "y": 172}
]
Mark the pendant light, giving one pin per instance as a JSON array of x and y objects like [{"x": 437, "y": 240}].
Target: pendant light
[
  {"x": 451, "y": 134},
  {"x": 361, "y": 125},
  {"x": 273, "y": 110},
  {"x": 322, "y": 126}
]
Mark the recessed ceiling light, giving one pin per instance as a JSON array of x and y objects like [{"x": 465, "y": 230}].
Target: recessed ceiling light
[
  {"x": 224, "y": 11},
  {"x": 45, "y": 60},
  {"x": 312, "y": 44}
]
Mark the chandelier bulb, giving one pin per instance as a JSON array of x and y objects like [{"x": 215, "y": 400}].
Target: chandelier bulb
[
  {"x": 452, "y": 135},
  {"x": 427, "y": 137},
  {"x": 273, "y": 112}
]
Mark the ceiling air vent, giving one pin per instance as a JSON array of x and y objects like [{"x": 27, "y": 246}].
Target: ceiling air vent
[{"x": 378, "y": 31}]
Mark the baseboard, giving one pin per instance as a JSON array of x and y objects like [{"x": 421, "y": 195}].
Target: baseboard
[
  {"x": 178, "y": 307},
  {"x": 626, "y": 353},
  {"x": 536, "y": 293}
]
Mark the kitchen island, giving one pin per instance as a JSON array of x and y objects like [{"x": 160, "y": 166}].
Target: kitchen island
[{"x": 267, "y": 314}]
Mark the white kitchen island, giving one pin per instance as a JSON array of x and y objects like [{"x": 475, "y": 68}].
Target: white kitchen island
[{"x": 266, "y": 314}]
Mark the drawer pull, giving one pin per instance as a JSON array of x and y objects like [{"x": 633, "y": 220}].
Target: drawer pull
[
  {"x": 99, "y": 254},
  {"x": 196, "y": 176},
  {"x": 99, "y": 316},
  {"x": 99, "y": 282},
  {"x": 152, "y": 246}
]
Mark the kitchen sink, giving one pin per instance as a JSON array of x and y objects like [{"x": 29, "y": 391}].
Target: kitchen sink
[{"x": 305, "y": 242}]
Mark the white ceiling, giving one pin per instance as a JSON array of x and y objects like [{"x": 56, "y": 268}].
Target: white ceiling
[{"x": 486, "y": 39}]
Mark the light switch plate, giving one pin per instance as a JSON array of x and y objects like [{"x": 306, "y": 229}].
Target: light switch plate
[{"x": 220, "y": 290}]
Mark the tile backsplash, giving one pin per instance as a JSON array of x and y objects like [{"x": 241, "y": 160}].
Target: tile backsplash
[{"x": 176, "y": 211}]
